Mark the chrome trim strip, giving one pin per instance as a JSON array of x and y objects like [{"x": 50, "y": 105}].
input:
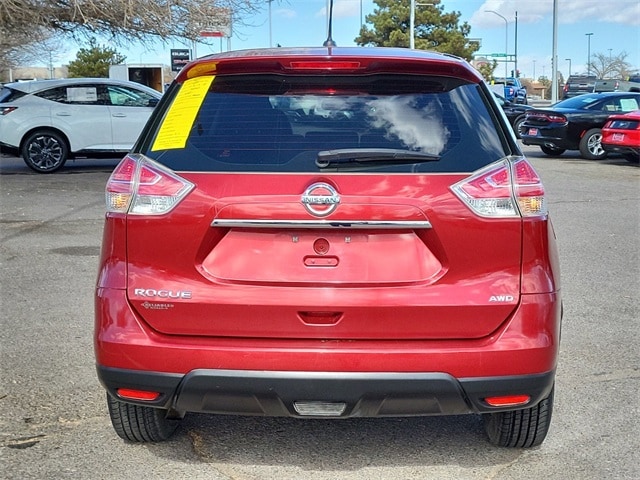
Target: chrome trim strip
[{"x": 246, "y": 223}]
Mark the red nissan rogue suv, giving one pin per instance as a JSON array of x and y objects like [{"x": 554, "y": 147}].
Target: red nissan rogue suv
[{"x": 328, "y": 233}]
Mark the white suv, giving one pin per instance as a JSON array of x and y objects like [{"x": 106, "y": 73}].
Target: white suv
[{"x": 47, "y": 121}]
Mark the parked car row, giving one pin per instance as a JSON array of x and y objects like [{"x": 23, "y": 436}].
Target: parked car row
[
  {"x": 49, "y": 121},
  {"x": 577, "y": 123},
  {"x": 581, "y": 84}
]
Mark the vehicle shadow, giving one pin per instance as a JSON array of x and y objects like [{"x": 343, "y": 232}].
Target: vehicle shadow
[
  {"x": 10, "y": 165},
  {"x": 335, "y": 445}
]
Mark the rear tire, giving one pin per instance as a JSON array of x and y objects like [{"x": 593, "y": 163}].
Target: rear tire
[
  {"x": 45, "y": 151},
  {"x": 552, "y": 151},
  {"x": 517, "y": 125},
  {"x": 140, "y": 424},
  {"x": 520, "y": 428},
  {"x": 590, "y": 147}
]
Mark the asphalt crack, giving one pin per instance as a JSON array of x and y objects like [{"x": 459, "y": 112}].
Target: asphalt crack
[{"x": 24, "y": 442}]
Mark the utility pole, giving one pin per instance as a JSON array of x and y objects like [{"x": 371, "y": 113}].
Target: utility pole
[
  {"x": 515, "y": 56},
  {"x": 554, "y": 55},
  {"x": 588, "y": 52},
  {"x": 506, "y": 40},
  {"x": 270, "y": 37}
]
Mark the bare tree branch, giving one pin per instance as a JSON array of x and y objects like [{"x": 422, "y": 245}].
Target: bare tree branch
[
  {"x": 122, "y": 20},
  {"x": 27, "y": 25}
]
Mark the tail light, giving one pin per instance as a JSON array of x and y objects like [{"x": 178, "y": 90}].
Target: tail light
[
  {"x": 548, "y": 117},
  {"x": 143, "y": 187},
  {"x": 6, "y": 110},
  {"x": 509, "y": 188}
]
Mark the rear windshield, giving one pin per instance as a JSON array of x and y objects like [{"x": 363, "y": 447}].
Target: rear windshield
[
  {"x": 277, "y": 123},
  {"x": 9, "y": 94}
]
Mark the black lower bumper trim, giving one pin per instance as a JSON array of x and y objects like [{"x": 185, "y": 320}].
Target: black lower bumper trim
[{"x": 366, "y": 394}]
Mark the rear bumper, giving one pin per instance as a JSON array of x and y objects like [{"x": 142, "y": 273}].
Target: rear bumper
[
  {"x": 623, "y": 149},
  {"x": 550, "y": 139},
  {"x": 324, "y": 394},
  {"x": 370, "y": 377}
]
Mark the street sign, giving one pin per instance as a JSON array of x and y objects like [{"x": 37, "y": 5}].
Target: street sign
[
  {"x": 498, "y": 55},
  {"x": 179, "y": 58}
]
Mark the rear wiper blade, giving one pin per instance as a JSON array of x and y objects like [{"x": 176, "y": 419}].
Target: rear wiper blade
[{"x": 391, "y": 156}]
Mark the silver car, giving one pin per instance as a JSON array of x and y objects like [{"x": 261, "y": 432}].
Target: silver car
[{"x": 49, "y": 121}]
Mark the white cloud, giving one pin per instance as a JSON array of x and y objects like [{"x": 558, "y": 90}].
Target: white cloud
[
  {"x": 342, "y": 9},
  {"x": 286, "y": 13}
]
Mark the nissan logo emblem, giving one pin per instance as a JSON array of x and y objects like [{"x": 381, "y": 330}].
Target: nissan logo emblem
[{"x": 320, "y": 199}]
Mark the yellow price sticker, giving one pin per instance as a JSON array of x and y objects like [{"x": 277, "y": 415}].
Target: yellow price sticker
[{"x": 177, "y": 124}]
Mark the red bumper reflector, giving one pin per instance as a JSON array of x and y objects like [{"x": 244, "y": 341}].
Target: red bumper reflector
[
  {"x": 128, "y": 393},
  {"x": 508, "y": 400}
]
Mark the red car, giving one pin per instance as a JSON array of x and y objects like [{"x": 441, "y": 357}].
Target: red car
[
  {"x": 621, "y": 134},
  {"x": 328, "y": 233}
]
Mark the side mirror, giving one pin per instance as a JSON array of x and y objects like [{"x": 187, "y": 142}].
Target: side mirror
[{"x": 153, "y": 102}]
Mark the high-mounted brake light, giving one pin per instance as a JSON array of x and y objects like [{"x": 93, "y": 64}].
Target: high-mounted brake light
[
  {"x": 140, "y": 186},
  {"x": 324, "y": 65},
  {"x": 508, "y": 188}
]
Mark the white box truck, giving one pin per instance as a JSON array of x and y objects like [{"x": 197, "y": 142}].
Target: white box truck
[{"x": 150, "y": 75}]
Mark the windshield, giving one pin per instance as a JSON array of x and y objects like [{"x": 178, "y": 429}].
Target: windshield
[
  {"x": 579, "y": 102},
  {"x": 282, "y": 123}
]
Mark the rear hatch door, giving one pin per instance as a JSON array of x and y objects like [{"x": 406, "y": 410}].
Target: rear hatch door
[{"x": 272, "y": 243}]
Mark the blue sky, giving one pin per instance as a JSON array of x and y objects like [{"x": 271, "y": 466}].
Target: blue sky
[{"x": 615, "y": 25}]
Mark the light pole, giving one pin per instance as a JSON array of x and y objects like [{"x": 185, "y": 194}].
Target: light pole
[
  {"x": 412, "y": 22},
  {"x": 506, "y": 40},
  {"x": 569, "y": 60},
  {"x": 588, "y": 52},
  {"x": 554, "y": 55},
  {"x": 515, "y": 48},
  {"x": 270, "y": 36}
]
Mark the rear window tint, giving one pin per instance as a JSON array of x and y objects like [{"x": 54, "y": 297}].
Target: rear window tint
[{"x": 275, "y": 123}]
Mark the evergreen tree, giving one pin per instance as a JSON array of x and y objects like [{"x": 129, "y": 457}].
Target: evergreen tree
[
  {"x": 94, "y": 61},
  {"x": 434, "y": 28}
]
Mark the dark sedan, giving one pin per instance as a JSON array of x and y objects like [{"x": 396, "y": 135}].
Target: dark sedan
[
  {"x": 575, "y": 123},
  {"x": 514, "y": 112}
]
